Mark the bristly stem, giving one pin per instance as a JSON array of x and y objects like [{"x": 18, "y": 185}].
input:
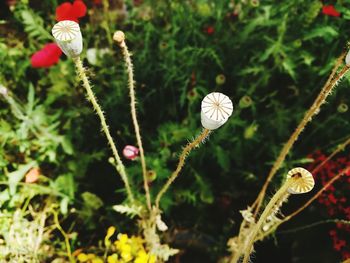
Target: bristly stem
[
  {"x": 287, "y": 218},
  {"x": 315, "y": 107},
  {"x": 129, "y": 67},
  {"x": 189, "y": 147},
  {"x": 267, "y": 211},
  {"x": 91, "y": 97}
]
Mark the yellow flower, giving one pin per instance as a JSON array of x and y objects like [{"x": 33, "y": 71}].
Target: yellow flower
[
  {"x": 112, "y": 259},
  {"x": 152, "y": 259},
  {"x": 110, "y": 233},
  {"x": 97, "y": 260},
  {"x": 126, "y": 255},
  {"x": 142, "y": 257},
  {"x": 82, "y": 257}
]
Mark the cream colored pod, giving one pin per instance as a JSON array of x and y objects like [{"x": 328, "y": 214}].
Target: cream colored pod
[
  {"x": 304, "y": 181},
  {"x": 216, "y": 108},
  {"x": 347, "y": 59},
  {"x": 68, "y": 37}
]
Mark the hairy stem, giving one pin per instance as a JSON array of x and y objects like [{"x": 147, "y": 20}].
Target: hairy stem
[
  {"x": 97, "y": 108},
  {"x": 340, "y": 148},
  {"x": 313, "y": 110},
  {"x": 129, "y": 67},
  {"x": 267, "y": 211},
  {"x": 287, "y": 218},
  {"x": 189, "y": 147}
]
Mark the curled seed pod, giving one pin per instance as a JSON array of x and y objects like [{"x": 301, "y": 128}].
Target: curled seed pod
[
  {"x": 303, "y": 181},
  {"x": 215, "y": 111},
  {"x": 68, "y": 37}
]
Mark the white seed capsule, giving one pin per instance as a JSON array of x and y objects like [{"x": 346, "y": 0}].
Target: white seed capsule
[
  {"x": 68, "y": 37},
  {"x": 347, "y": 59},
  {"x": 216, "y": 109},
  {"x": 304, "y": 181}
]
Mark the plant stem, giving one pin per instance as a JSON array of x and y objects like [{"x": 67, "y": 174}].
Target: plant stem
[
  {"x": 97, "y": 108},
  {"x": 64, "y": 234},
  {"x": 287, "y": 218},
  {"x": 340, "y": 148},
  {"x": 267, "y": 211},
  {"x": 189, "y": 147},
  {"x": 313, "y": 110},
  {"x": 129, "y": 66}
]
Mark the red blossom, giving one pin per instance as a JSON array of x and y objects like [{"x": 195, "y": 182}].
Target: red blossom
[
  {"x": 209, "y": 30},
  {"x": 335, "y": 198},
  {"x": 48, "y": 56},
  {"x": 69, "y": 11},
  {"x": 330, "y": 10}
]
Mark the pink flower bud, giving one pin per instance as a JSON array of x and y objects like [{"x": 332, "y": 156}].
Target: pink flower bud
[{"x": 130, "y": 152}]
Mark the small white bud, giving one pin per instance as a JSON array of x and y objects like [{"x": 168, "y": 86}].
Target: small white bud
[
  {"x": 304, "y": 181},
  {"x": 216, "y": 109},
  {"x": 68, "y": 37}
]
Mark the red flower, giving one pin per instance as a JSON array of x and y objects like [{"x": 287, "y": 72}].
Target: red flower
[
  {"x": 209, "y": 30},
  {"x": 73, "y": 12},
  {"x": 46, "y": 57},
  {"x": 330, "y": 10}
]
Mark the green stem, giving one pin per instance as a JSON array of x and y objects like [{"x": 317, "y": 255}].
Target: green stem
[
  {"x": 97, "y": 108},
  {"x": 189, "y": 147},
  {"x": 129, "y": 66}
]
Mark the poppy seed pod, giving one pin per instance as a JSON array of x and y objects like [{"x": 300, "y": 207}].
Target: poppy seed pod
[
  {"x": 347, "y": 59},
  {"x": 304, "y": 181},
  {"x": 216, "y": 108},
  {"x": 68, "y": 37}
]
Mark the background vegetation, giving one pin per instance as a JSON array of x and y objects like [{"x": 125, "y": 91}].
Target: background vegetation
[{"x": 271, "y": 58}]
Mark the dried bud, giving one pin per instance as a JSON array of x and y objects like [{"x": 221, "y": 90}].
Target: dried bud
[
  {"x": 216, "y": 109},
  {"x": 119, "y": 36},
  {"x": 68, "y": 37}
]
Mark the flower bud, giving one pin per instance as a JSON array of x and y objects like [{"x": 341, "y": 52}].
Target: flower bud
[
  {"x": 119, "y": 36},
  {"x": 220, "y": 79},
  {"x": 68, "y": 37},
  {"x": 130, "y": 152},
  {"x": 216, "y": 109},
  {"x": 342, "y": 108},
  {"x": 245, "y": 102}
]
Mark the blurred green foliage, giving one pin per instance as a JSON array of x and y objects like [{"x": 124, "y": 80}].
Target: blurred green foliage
[{"x": 274, "y": 57}]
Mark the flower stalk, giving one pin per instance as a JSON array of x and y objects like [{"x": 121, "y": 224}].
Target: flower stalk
[
  {"x": 313, "y": 110},
  {"x": 91, "y": 97},
  {"x": 185, "y": 152},
  {"x": 119, "y": 37}
]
